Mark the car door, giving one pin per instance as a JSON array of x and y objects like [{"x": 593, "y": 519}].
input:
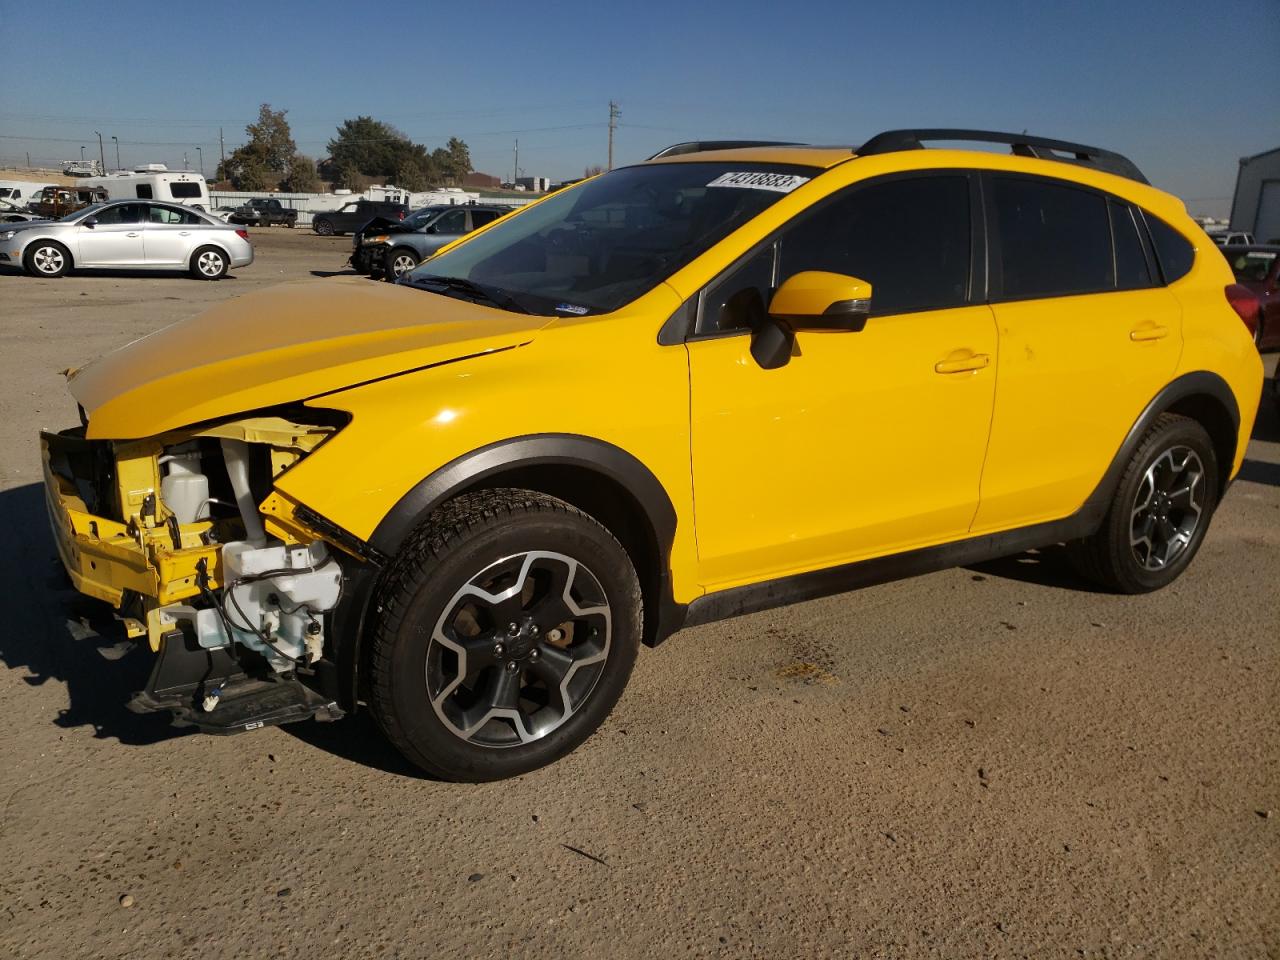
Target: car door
[
  {"x": 860, "y": 444},
  {"x": 1087, "y": 338},
  {"x": 114, "y": 239},
  {"x": 169, "y": 235}
]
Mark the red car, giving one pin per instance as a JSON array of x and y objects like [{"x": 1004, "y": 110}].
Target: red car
[{"x": 1257, "y": 269}]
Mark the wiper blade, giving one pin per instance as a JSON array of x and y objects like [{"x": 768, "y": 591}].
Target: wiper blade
[{"x": 490, "y": 295}]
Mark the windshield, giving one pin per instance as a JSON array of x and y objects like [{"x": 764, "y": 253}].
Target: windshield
[
  {"x": 1253, "y": 266},
  {"x": 82, "y": 212},
  {"x": 596, "y": 247}
]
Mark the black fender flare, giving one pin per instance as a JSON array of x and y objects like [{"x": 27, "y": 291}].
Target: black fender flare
[
  {"x": 472, "y": 469},
  {"x": 1199, "y": 383}
]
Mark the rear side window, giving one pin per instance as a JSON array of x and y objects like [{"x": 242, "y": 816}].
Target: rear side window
[
  {"x": 1055, "y": 240},
  {"x": 1174, "y": 251},
  {"x": 1132, "y": 271},
  {"x": 480, "y": 217},
  {"x": 144, "y": 191},
  {"x": 184, "y": 191}
]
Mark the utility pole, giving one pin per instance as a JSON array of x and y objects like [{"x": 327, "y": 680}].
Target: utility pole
[
  {"x": 515, "y": 164},
  {"x": 117, "y": 143},
  {"x": 186, "y": 162},
  {"x": 222, "y": 147},
  {"x": 614, "y": 114},
  {"x": 200, "y": 154},
  {"x": 102, "y": 156},
  {"x": 82, "y": 152}
]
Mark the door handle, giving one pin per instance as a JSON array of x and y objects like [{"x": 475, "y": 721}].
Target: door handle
[
  {"x": 131, "y": 234},
  {"x": 1152, "y": 332},
  {"x": 963, "y": 365},
  {"x": 184, "y": 233}
]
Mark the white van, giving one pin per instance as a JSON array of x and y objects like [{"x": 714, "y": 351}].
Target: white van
[
  {"x": 156, "y": 182},
  {"x": 20, "y": 191}
]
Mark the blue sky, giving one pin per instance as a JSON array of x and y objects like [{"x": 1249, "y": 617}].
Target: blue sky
[{"x": 1185, "y": 87}]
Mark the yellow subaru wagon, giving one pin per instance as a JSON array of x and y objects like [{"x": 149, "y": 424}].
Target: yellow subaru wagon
[{"x": 735, "y": 376}]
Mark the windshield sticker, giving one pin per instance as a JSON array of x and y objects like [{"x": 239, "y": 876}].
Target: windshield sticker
[
  {"x": 777, "y": 182},
  {"x": 571, "y": 308}
]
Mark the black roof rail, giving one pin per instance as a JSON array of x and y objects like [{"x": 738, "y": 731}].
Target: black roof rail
[
  {"x": 1042, "y": 148},
  {"x": 699, "y": 146}
]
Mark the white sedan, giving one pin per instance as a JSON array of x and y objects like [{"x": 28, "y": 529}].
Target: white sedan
[{"x": 130, "y": 235}]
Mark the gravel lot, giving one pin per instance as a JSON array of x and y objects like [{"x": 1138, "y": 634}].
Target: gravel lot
[{"x": 985, "y": 762}]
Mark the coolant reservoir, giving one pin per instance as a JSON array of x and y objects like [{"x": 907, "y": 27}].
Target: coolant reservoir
[{"x": 185, "y": 490}]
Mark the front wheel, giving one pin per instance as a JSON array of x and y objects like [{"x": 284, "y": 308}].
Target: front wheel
[
  {"x": 397, "y": 263},
  {"x": 508, "y": 628},
  {"x": 209, "y": 263},
  {"x": 1159, "y": 513},
  {"x": 324, "y": 228},
  {"x": 47, "y": 258}
]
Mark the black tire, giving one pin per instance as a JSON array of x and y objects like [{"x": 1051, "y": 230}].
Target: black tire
[
  {"x": 324, "y": 228},
  {"x": 291, "y": 222},
  {"x": 210, "y": 263},
  {"x": 396, "y": 263},
  {"x": 1115, "y": 556},
  {"x": 437, "y": 705},
  {"x": 47, "y": 258}
]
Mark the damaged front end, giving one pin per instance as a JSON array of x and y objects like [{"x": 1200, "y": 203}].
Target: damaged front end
[{"x": 184, "y": 535}]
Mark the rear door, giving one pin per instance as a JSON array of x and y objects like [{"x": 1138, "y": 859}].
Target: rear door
[
  {"x": 1088, "y": 336},
  {"x": 115, "y": 239},
  {"x": 169, "y": 235}
]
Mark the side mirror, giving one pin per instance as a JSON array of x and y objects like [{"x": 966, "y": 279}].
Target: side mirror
[
  {"x": 817, "y": 300},
  {"x": 89, "y": 222},
  {"x": 432, "y": 229}
]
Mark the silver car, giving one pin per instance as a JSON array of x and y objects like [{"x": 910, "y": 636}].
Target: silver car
[{"x": 127, "y": 234}]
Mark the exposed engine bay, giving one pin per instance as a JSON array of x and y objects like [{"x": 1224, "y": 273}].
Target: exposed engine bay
[{"x": 185, "y": 536}]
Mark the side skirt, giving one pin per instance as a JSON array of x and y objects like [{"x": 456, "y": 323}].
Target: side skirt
[{"x": 752, "y": 598}]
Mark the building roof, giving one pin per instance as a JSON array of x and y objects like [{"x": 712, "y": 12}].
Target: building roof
[{"x": 1257, "y": 156}]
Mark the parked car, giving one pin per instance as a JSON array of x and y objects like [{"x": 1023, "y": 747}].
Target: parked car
[
  {"x": 1257, "y": 270},
  {"x": 391, "y": 250},
  {"x": 10, "y": 212},
  {"x": 263, "y": 212},
  {"x": 127, "y": 234},
  {"x": 465, "y": 500},
  {"x": 51, "y": 203},
  {"x": 352, "y": 216},
  {"x": 223, "y": 213}
]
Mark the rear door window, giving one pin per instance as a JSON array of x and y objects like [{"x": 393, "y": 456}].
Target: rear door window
[
  {"x": 1055, "y": 239},
  {"x": 1173, "y": 250}
]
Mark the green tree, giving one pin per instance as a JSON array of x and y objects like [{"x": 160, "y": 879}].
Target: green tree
[
  {"x": 302, "y": 176},
  {"x": 266, "y": 158},
  {"x": 372, "y": 148},
  {"x": 458, "y": 160}
]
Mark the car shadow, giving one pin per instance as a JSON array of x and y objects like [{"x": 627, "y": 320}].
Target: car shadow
[
  {"x": 1046, "y": 567},
  {"x": 55, "y": 634},
  {"x": 176, "y": 274},
  {"x": 358, "y": 740}
]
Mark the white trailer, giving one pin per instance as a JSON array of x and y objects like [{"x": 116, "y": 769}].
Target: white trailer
[{"x": 156, "y": 182}]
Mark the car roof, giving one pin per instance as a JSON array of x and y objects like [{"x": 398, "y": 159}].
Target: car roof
[{"x": 1251, "y": 247}]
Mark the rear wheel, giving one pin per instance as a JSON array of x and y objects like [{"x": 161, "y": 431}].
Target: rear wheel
[
  {"x": 1159, "y": 513},
  {"x": 398, "y": 262},
  {"x": 324, "y": 228},
  {"x": 209, "y": 263},
  {"x": 508, "y": 628},
  {"x": 47, "y": 258}
]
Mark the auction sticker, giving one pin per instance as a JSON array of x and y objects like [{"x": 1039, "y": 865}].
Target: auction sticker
[{"x": 777, "y": 182}]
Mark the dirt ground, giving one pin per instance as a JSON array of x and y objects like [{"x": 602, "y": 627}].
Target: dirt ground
[{"x": 986, "y": 762}]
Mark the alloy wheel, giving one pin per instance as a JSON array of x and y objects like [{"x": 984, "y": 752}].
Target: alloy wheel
[
  {"x": 518, "y": 649},
  {"x": 401, "y": 265},
  {"x": 1167, "y": 508},
  {"x": 209, "y": 263},
  {"x": 48, "y": 260}
]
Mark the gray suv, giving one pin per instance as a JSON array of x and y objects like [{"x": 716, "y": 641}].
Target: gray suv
[{"x": 391, "y": 249}]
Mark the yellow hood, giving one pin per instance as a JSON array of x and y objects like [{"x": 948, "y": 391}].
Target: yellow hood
[{"x": 287, "y": 343}]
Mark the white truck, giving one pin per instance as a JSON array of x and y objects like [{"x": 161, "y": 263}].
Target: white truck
[{"x": 156, "y": 182}]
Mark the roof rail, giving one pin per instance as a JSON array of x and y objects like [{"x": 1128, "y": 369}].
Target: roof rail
[
  {"x": 699, "y": 146},
  {"x": 1042, "y": 148}
]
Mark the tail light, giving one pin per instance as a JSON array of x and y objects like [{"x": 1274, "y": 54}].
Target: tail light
[
  {"x": 1246, "y": 303},
  {"x": 242, "y": 234},
  {"x": 401, "y": 214}
]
